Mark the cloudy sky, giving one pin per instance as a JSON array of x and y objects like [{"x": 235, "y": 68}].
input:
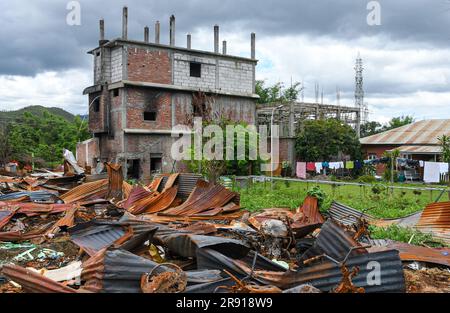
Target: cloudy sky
[{"x": 406, "y": 59}]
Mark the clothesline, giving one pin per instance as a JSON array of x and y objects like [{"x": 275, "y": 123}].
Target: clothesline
[{"x": 318, "y": 167}]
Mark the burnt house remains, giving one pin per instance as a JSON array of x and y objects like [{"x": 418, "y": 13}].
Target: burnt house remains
[{"x": 143, "y": 88}]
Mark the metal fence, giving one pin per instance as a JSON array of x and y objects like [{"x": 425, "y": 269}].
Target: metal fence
[{"x": 435, "y": 193}]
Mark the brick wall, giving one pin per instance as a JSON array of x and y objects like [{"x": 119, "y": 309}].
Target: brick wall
[
  {"x": 87, "y": 151},
  {"x": 149, "y": 66},
  {"x": 140, "y": 100},
  {"x": 97, "y": 120}
]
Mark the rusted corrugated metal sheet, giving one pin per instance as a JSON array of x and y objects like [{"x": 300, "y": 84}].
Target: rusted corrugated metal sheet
[
  {"x": 68, "y": 220},
  {"x": 154, "y": 185},
  {"x": 327, "y": 275},
  {"x": 205, "y": 197},
  {"x": 86, "y": 191},
  {"x": 435, "y": 219},
  {"x": 93, "y": 239},
  {"x": 436, "y": 149},
  {"x": 324, "y": 276},
  {"x": 137, "y": 193},
  {"x": 39, "y": 195},
  {"x": 19, "y": 236},
  {"x": 416, "y": 253},
  {"x": 335, "y": 242},
  {"x": 186, "y": 183},
  {"x": 119, "y": 271},
  {"x": 6, "y": 215},
  {"x": 34, "y": 282},
  {"x": 95, "y": 236},
  {"x": 126, "y": 189},
  {"x": 171, "y": 181},
  {"x": 186, "y": 245},
  {"x": 311, "y": 217},
  {"x": 423, "y": 132},
  {"x": 347, "y": 215},
  {"x": 115, "y": 181},
  {"x": 163, "y": 201}
]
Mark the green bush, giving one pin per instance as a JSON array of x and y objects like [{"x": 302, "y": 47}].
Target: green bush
[
  {"x": 387, "y": 175},
  {"x": 368, "y": 179},
  {"x": 317, "y": 193},
  {"x": 378, "y": 189}
]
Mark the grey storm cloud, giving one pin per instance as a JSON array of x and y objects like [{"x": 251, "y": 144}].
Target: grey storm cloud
[{"x": 35, "y": 38}]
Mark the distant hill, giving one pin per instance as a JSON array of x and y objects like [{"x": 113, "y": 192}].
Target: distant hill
[{"x": 35, "y": 110}]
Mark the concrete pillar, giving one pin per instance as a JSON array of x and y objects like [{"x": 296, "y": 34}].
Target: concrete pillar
[
  {"x": 216, "y": 38},
  {"x": 102, "y": 29},
  {"x": 253, "y": 45},
  {"x": 146, "y": 34},
  {"x": 172, "y": 30},
  {"x": 224, "y": 47},
  {"x": 157, "y": 32},
  {"x": 188, "y": 39},
  {"x": 125, "y": 23}
]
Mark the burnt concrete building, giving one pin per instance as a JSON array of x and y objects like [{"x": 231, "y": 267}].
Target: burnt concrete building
[{"x": 143, "y": 88}]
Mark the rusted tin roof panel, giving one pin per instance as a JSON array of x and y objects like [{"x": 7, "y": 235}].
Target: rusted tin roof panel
[
  {"x": 419, "y": 149},
  {"x": 416, "y": 253},
  {"x": 346, "y": 215},
  {"x": 186, "y": 183},
  {"x": 435, "y": 219},
  {"x": 385, "y": 265},
  {"x": 333, "y": 241},
  {"x": 119, "y": 271}
]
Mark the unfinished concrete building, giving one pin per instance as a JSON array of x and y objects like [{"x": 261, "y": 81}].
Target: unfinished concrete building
[
  {"x": 143, "y": 88},
  {"x": 288, "y": 116}
]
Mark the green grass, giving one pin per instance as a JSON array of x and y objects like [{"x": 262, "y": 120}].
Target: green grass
[
  {"x": 384, "y": 205},
  {"x": 404, "y": 234}
]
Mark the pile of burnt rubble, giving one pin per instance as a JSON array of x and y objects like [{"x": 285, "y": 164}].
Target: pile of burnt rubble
[{"x": 80, "y": 234}]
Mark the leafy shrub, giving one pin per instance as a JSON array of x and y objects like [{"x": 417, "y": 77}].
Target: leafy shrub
[
  {"x": 317, "y": 193},
  {"x": 378, "y": 188},
  {"x": 368, "y": 179},
  {"x": 387, "y": 175}
]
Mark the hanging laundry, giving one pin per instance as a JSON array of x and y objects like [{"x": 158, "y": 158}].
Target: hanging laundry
[
  {"x": 336, "y": 165},
  {"x": 443, "y": 167},
  {"x": 358, "y": 164},
  {"x": 310, "y": 167},
  {"x": 325, "y": 164},
  {"x": 349, "y": 165},
  {"x": 421, "y": 163},
  {"x": 301, "y": 170},
  {"x": 318, "y": 167},
  {"x": 431, "y": 173}
]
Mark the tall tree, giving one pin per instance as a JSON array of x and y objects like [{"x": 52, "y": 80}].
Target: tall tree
[
  {"x": 399, "y": 121},
  {"x": 276, "y": 93},
  {"x": 5, "y": 144},
  {"x": 321, "y": 140},
  {"x": 45, "y": 136},
  {"x": 370, "y": 128}
]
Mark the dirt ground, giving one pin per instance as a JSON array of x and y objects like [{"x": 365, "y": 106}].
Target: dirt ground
[{"x": 430, "y": 280}]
